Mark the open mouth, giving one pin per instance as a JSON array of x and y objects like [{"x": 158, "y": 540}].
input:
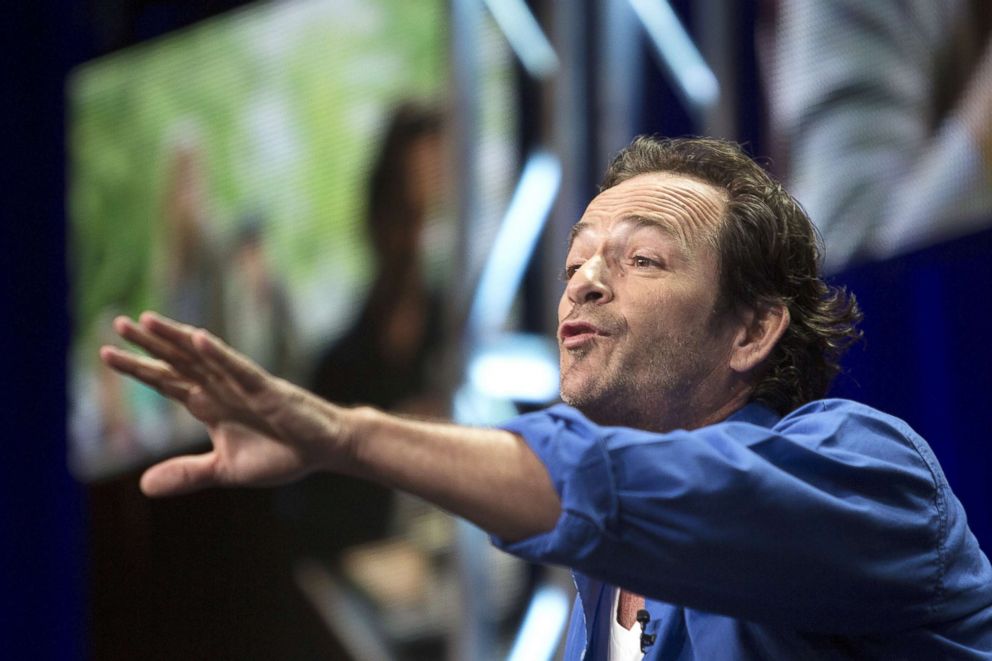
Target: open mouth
[{"x": 574, "y": 334}]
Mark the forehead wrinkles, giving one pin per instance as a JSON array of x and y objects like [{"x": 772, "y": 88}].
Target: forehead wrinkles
[
  {"x": 696, "y": 211},
  {"x": 688, "y": 209}
]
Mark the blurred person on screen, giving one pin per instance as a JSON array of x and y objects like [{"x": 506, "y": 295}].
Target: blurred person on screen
[
  {"x": 257, "y": 307},
  {"x": 391, "y": 355},
  {"x": 880, "y": 114},
  {"x": 191, "y": 268}
]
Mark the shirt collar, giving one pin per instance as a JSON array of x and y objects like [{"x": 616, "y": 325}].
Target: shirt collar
[{"x": 755, "y": 413}]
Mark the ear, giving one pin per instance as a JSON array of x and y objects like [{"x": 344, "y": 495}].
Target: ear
[{"x": 760, "y": 330}]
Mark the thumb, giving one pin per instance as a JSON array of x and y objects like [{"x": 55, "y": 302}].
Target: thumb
[{"x": 179, "y": 475}]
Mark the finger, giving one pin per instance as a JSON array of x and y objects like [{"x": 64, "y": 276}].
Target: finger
[
  {"x": 182, "y": 335},
  {"x": 251, "y": 378},
  {"x": 173, "y": 331},
  {"x": 179, "y": 475},
  {"x": 155, "y": 373},
  {"x": 229, "y": 376},
  {"x": 176, "y": 355}
]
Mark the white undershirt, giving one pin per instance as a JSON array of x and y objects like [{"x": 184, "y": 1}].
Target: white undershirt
[{"x": 625, "y": 644}]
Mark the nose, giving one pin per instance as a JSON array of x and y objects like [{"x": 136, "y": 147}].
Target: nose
[{"x": 590, "y": 283}]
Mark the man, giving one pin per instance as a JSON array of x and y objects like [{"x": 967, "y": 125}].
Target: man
[{"x": 692, "y": 463}]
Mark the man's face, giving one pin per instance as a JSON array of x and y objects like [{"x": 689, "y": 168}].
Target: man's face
[{"x": 640, "y": 337}]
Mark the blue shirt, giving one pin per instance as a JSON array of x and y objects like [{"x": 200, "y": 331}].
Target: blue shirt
[{"x": 828, "y": 533}]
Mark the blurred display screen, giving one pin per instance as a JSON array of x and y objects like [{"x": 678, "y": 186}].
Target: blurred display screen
[{"x": 221, "y": 176}]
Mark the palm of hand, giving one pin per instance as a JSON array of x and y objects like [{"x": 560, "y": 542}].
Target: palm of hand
[
  {"x": 264, "y": 438},
  {"x": 246, "y": 456}
]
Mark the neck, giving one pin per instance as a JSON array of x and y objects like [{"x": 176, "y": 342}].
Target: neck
[{"x": 690, "y": 411}]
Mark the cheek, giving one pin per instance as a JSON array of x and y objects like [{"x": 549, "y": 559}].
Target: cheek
[{"x": 662, "y": 315}]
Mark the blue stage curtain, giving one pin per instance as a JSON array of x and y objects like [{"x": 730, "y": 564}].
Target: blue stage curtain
[{"x": 927, "y": 358}]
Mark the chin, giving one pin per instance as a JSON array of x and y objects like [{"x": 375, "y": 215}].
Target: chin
[
  {"x": 576, "y": 389},
  {"x": 587, "y": 401},
  {"x": 566, "y": 397},
  {"x": 571, "y": 396}
]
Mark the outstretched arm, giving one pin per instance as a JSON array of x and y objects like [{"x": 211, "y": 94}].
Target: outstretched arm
[{"x": 267, "y": 431}]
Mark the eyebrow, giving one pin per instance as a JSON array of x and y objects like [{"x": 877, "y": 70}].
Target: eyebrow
[{"x": 639, "y": 220}]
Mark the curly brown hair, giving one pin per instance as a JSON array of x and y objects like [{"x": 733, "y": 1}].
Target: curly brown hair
[{"x": 769, "y": 253}]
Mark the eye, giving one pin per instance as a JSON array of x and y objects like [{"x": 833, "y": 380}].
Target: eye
[
  {"x": 642, "y": 262},
  {"x": 569, "y": 271}
]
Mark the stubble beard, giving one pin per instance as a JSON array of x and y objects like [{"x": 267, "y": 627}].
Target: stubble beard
[{"x": 652, "y": 391}]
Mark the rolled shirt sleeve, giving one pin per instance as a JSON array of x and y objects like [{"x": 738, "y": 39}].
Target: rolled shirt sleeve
[{"x": 835, "y": 518}]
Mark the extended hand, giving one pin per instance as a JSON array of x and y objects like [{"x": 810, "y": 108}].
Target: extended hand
[{"x": 265, "y": 430}]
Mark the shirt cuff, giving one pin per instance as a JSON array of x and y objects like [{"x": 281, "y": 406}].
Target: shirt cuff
[{"x": 573, "y": 451}]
